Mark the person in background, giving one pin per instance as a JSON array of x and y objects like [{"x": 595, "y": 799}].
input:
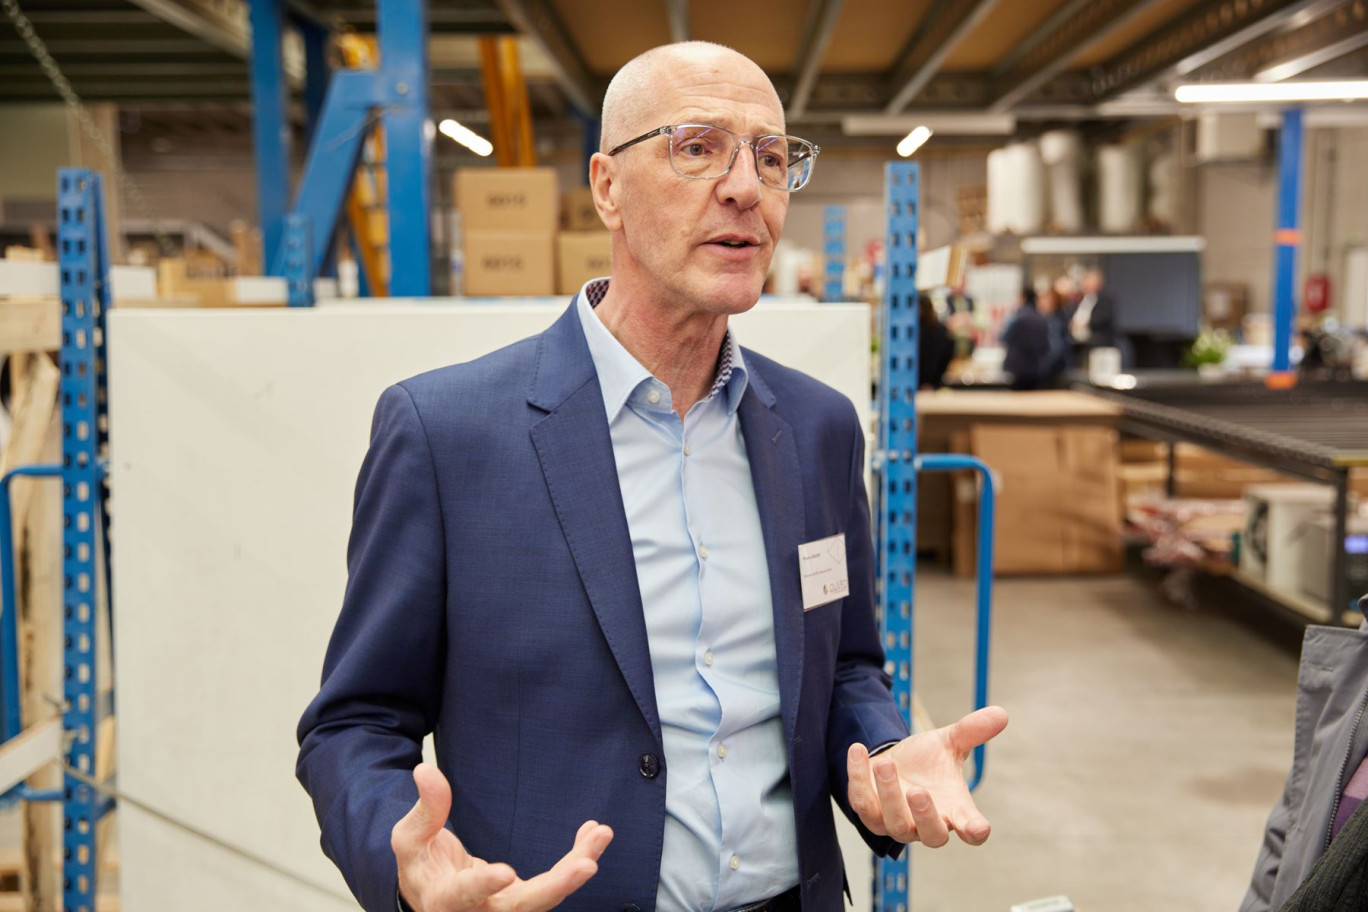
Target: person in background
[
  {"x": 1092, "y": 324},
  {"x": 1314, "y": 856},
  {"x": 935, "y": 348},
  {"x": 1057, "y": 306},
  {"x": 1027, "y": 340}
]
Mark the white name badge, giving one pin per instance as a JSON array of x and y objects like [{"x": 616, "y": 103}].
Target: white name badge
[{"x": 822, "y": 565}]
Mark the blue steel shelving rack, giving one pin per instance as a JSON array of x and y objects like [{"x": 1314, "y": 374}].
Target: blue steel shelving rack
[
  {"x": 83, "y": 264},
  {"x": 833, "y": 252},
  {"x": 896, "y": 466}
]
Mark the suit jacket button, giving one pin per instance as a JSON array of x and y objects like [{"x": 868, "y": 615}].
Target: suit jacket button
[{"x": 649, "y": 765}]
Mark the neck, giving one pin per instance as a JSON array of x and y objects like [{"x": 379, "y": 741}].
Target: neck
[{"x": 679, "y": 348}]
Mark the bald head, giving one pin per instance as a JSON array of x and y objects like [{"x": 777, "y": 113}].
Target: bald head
[{"x": 642, "y": 87}]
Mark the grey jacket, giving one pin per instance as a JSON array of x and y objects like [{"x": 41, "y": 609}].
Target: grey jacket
[{"x": 1331, "y": 740}]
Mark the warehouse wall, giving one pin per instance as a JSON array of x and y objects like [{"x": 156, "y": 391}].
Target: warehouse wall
[
  {"x": 38, "y": 145},
  {"x": 1236, "y": 211}
]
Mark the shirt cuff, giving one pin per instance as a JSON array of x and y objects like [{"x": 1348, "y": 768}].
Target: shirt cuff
[{"x": 873, "y": 753}]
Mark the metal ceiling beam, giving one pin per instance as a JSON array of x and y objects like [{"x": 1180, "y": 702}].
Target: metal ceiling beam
[
  {"x": 821, "y": 22},
  {"x": 1296, "y": 66},
  {"x": 222, "y": 24},
  {"x": 1289, "y": 17},
  {"x": 538, "y": 21},
  {"x": 1209, "y": 23},
  {"x": 109, "y": 47},
  {"x": 91, "y": 17},
  {"x": 185, "y": 69},
  {"x": 1042, "y": 31},
  {"x": 468, "y": 20},
  {"x": 946, "y": 26},
  {"x": 677, "y": 11},
  {"x": 1054, "y": 53},
  {"x": 158, "y": 89}
]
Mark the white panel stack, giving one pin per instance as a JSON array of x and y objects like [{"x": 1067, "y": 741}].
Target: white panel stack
[
  {"x": 236, "y": 439},
  {"x": 1119, "y": 189},
  {"x": 1062, "y": 153}
]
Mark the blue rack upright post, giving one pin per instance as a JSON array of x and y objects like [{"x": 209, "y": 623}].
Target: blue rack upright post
[
  {"x": 896, "y": 469},
  {"x": 896, "y": 465},
  {"x": 84, "y": 267},
  {"x": 833, "y": 253}
]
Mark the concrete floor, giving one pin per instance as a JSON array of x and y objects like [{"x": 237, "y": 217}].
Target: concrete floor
[{"x": 1147, "y": 745}]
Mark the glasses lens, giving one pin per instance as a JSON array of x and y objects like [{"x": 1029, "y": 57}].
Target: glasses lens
[
  {"x": 798, "y": 162},
  {"x": 701, "y": 151},
  {"x": 772, "y": 160}
]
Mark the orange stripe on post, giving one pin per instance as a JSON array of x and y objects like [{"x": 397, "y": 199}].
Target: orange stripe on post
[{"x": 1287, "y": 236}]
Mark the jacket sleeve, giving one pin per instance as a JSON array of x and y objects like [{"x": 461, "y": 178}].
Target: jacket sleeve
[
  {"x": 862, "y": 705},
  {"x": 1259, "y": 896},
  {"x": 362, "y": 735}
]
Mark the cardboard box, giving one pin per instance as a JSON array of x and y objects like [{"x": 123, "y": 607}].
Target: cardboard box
[
  {"x": 507, "y": 199},
  {"x": 578, "y": 212},
  {"x": 509, "y": 263},
  {"x": 581, "y": 256},
  {"x": 1058, "y": 504}
]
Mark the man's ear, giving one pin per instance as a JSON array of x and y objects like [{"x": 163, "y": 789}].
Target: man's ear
[{"x": 603, "y": 182}]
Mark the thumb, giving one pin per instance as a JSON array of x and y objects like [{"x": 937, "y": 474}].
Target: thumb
[{"x": 427, "y": 817}]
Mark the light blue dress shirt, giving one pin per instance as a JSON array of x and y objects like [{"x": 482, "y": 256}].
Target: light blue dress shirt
[{"x": 730, "y": 837}]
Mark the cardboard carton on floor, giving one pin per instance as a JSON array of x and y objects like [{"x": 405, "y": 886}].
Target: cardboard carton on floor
[
  {"x": 582, "y": 255},
  {"x": 508, "y": 199},
  {"x": 509, "y": 263}
]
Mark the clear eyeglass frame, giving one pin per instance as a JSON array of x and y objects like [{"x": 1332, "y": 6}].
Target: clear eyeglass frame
[{"x": 799, "y": 154}]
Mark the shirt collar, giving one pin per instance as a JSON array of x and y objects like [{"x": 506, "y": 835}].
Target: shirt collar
[{"x": 621, "y": 375}]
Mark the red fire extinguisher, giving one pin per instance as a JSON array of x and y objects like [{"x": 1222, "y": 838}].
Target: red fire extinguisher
[{"x": 1317, "y": 295}]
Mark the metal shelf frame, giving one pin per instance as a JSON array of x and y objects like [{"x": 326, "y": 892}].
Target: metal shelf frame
[{"x": 83, "y": 264}]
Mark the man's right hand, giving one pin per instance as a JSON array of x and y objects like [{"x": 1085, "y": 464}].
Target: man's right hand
[{"x": 437, "y": 874}]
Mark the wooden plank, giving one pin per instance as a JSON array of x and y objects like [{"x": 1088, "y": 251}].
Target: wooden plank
[
  {"x": 42, "y": 666},
  {"x": 28, "y": 751},
  {"x": 1015, "y": 405},
  {"x": 30, "y": 324},
  {"x": 27, "y": 279}
]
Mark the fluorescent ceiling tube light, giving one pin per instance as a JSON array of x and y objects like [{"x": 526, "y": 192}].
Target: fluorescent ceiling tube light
[
  {"x": 1278, "y": 91},
  {"x": 914, "y": 141},
  {"x": 466, "y": 137}
]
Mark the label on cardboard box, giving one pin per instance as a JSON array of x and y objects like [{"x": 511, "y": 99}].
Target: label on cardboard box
[
  {"x": 509, "y": 263},
  {"x": 578, "y": 212},
  {"x": 583, "y": 255},
  {"x": 507, "y": 199}
]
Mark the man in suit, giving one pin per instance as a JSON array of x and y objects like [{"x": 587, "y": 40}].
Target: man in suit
[
  {"x": 1093, "y": 322},
  {"x": 577, "y": 562}
]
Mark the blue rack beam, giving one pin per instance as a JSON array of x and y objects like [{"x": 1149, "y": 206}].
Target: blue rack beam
[
  {"x": 270, "y": 120},
  {"x": 897, "y": 471},
  {"x": 84, "y": 268}
]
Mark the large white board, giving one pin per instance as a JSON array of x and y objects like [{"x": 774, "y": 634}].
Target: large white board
[{"x": 235, "y": 441}]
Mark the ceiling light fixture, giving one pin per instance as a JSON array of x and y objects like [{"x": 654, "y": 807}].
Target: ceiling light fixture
[
  {"x": 914, "y": 141},
  {"x": 1199, "y": 93},
  {"x": 466, "y": 137}
]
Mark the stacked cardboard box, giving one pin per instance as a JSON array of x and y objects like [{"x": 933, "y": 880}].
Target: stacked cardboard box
[{"x": 509, "y": 218}]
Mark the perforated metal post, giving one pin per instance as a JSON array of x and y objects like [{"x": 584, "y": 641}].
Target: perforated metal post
[
  {"x": 897, "y": 472},
  {"x": 833, "y": 252},
  {"x": 299, "y": 262},
  {"x": 84, "y": 268}
]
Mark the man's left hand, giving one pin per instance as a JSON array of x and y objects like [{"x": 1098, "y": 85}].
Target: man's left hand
[{"x": 915, "y": 791}]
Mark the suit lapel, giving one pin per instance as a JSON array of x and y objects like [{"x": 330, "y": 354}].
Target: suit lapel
[
  {"x": 576, "y": 455},
  {"x": 773, "y": 455}
]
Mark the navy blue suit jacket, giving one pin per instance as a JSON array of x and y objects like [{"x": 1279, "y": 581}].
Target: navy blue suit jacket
[{"x": 492, "y": 599}]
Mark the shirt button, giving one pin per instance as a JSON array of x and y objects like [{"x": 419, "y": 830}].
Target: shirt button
[
  {"x": 688, "y": 451},
  {"x": 703, "y": 553},
  {"x": 735, "y": 862},
  {"x": 649, "y": 765},
  {"x": 653, "y": 397},
  {"x": 722, "y": 751},
  {"x": 707, "y": 658}
]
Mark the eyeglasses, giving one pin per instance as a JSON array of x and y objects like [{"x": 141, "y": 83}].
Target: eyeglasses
[{"x": 705, "y": 152}]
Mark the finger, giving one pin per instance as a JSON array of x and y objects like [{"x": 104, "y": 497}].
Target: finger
[
  {"x": 973, "y": 827},
  {"x": 977, "y": 728},
  {"x": 931, "y": 829},
  {"x": 472, "y": 886},
  {"x": 897, "y": 816},
  {"x": 548, "y": 890},
  {"x": 860, "y": 790},
  {"x": 429, "y": 814}
]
